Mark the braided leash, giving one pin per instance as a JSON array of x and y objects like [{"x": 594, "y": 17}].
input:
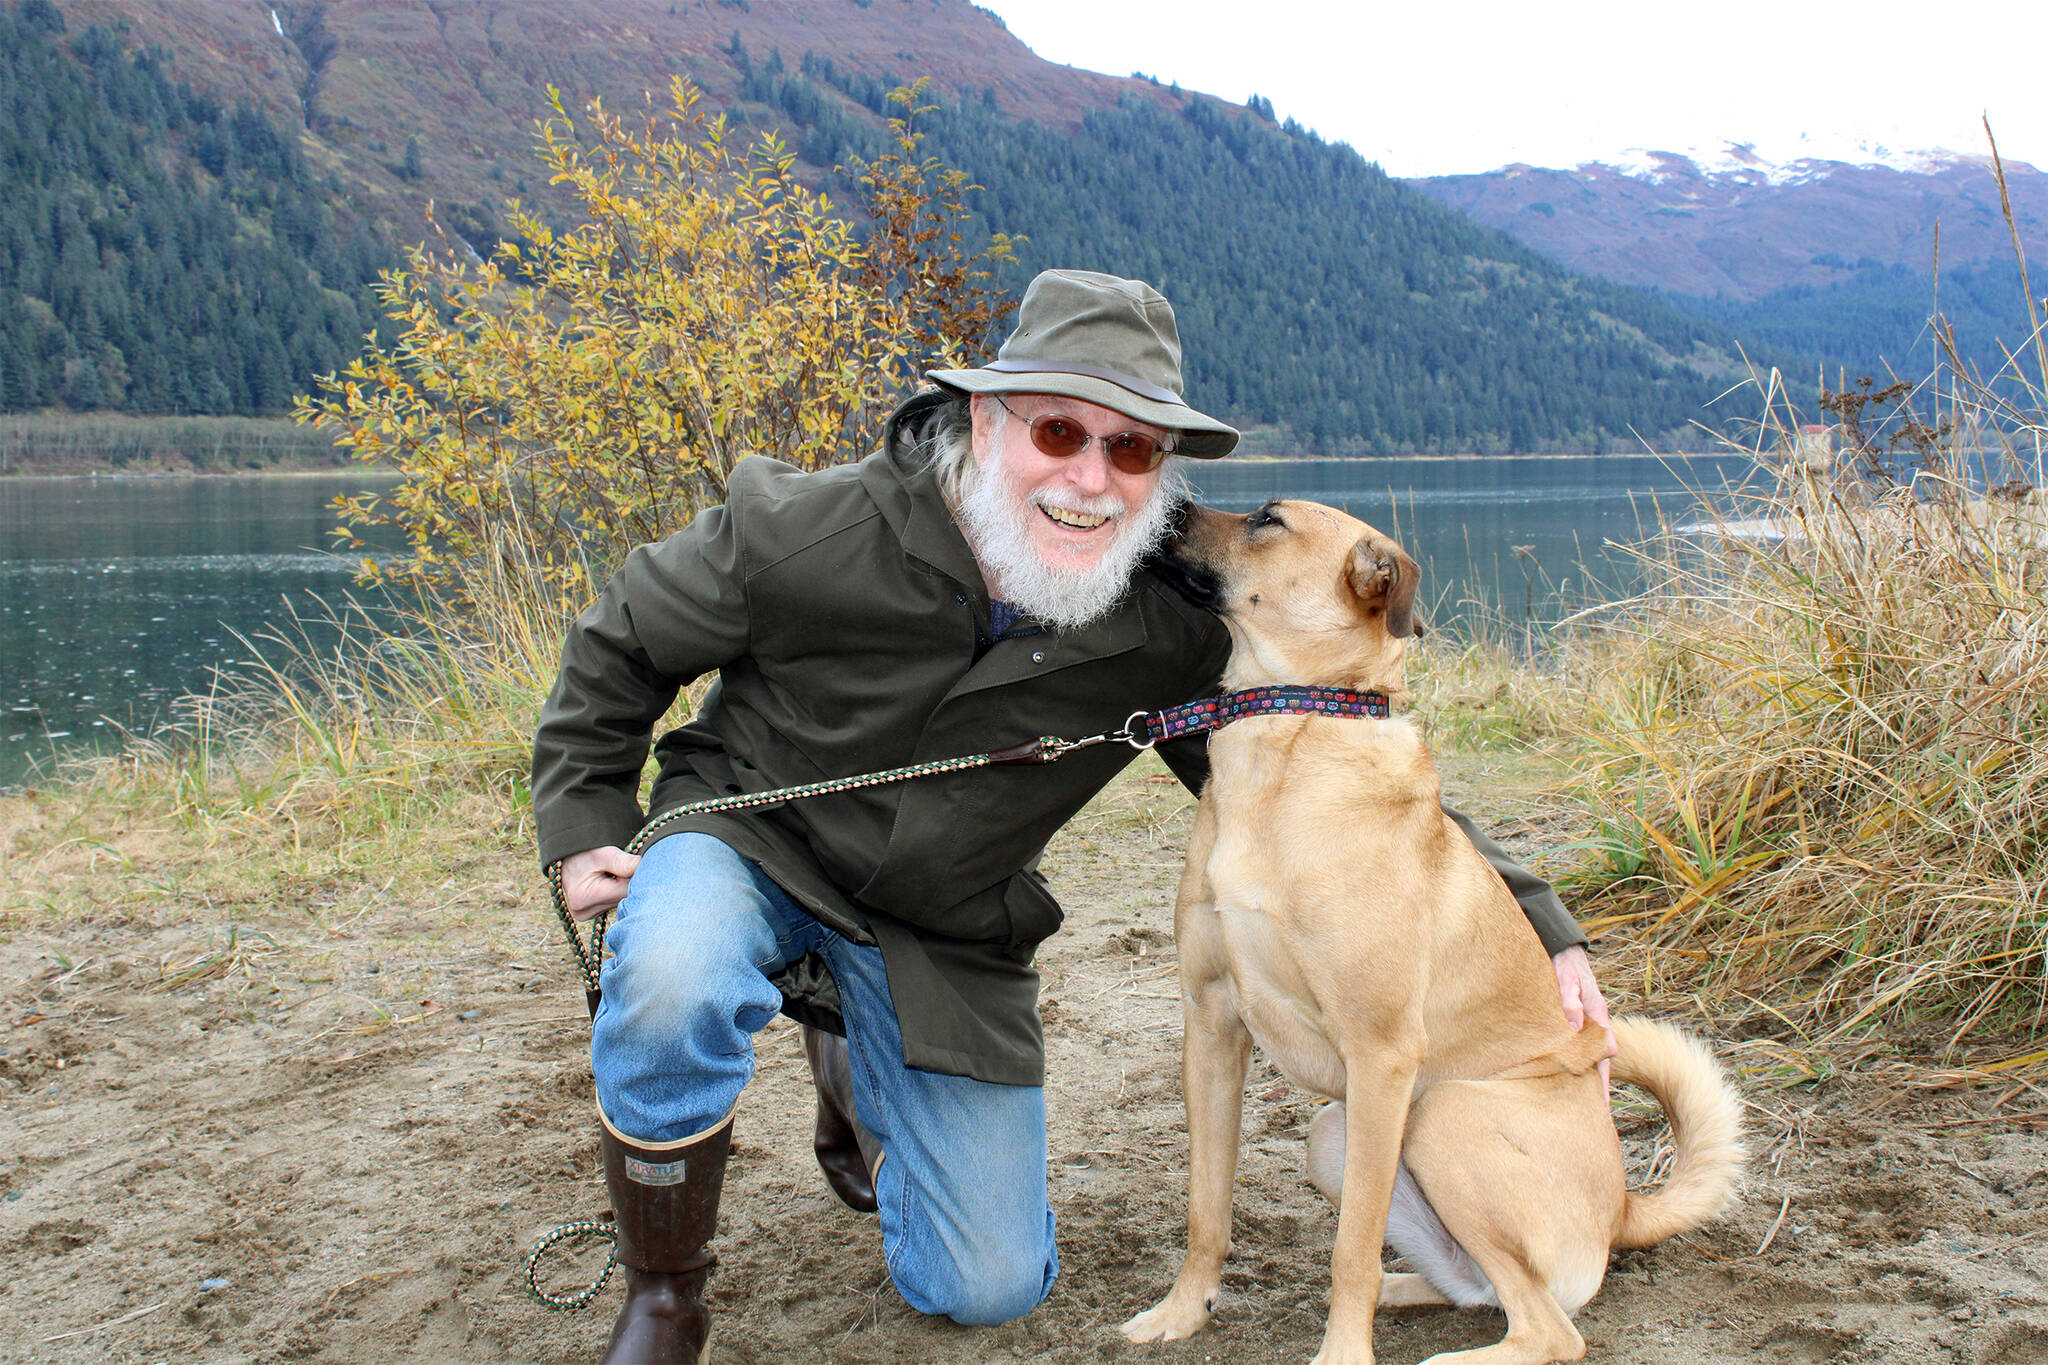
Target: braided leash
[
  {"x": 582, "y": 1227},
  {"x": 1141, "y": 730},
  {"x": 590, "y": 958}
]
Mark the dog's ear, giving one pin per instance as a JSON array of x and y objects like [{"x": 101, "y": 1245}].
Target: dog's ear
[{"x": 1385, "y": 579}]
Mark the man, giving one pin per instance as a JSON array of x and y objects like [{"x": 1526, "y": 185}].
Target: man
[{"x": 979, "y": 581}]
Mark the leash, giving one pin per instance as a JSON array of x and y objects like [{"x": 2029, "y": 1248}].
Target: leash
[
  {"x": 1141, "y": 730},
  {"x": 1045, "y": 749}
]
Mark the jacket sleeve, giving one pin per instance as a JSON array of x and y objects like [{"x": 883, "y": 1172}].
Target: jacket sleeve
[
  {"x": 1547, "y": 915},
  {"x": 1188, "y": 760},
  {"x": 676, "y": 611}
]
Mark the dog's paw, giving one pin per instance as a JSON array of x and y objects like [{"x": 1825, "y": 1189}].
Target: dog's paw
[{"x": 1177, "y": 1315}]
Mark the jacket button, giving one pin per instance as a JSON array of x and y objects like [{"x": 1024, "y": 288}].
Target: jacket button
[
  {"x": 1038, "y": 656},
  {"x": 960, "y": 598}
]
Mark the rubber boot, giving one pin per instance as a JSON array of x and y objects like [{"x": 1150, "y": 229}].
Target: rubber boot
[
  {"x": 665, "y": 1208},
  {"x": 845, "y": 1151}
]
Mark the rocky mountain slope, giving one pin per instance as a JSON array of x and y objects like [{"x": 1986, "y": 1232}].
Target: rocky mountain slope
[
  {"x": 1834, "y": 256},
  {"x": 463, "y": 81}
]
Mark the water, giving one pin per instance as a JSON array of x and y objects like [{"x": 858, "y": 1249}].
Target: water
[
  {"x": 119, "y": 595},
  {"x": 1517, "y": 533}
]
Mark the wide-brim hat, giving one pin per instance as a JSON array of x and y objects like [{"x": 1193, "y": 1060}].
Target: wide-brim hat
[{"x": 1107, "y": 340}]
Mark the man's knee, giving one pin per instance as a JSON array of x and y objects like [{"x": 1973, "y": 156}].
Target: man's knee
[
  {"x": 980, "y": 1284},
  {"x": 687, "y": 950},
  {"x": 667, "y": 1006}
]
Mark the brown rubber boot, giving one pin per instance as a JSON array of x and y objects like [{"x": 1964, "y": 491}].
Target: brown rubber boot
[
  {"x": 845, "y": 1151},
  {"x": 665, "y": 1207}
]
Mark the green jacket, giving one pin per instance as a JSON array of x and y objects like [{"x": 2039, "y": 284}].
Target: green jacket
[{"x": 848, "y": 624}]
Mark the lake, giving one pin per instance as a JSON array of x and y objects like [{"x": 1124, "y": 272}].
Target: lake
[{"x": 119, "y": 595}]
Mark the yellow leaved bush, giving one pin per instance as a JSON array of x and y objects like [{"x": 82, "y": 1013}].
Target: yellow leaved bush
[{"x": 589, "y": 389}]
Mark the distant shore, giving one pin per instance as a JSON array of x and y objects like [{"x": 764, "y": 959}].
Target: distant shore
[
  {"x": 122, "y": 445},
  {"x": 100, "y": 445},
  {"x": 282, "y": 470}
]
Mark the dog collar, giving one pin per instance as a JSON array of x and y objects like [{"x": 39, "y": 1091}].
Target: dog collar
[{"x": 1213, "y": 713}]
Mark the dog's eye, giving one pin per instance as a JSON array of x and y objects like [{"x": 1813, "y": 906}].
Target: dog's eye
[{"x": 1264, "y": 516}]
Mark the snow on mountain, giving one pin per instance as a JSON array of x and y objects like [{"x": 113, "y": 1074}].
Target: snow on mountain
[
  {"x": 1794, "y": 161},
  {"x": 1744, "y": 219}
]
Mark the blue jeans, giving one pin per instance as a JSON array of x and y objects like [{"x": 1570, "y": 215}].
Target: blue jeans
[{"x": 967, "y": 1229}]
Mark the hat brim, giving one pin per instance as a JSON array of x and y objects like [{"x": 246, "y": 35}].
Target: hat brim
[{"x": 1200, "y": 436}]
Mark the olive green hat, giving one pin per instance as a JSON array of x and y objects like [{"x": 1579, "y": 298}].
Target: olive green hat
[{"x": 1107, "y": 340}]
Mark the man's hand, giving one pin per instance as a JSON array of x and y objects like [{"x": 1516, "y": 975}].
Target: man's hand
[
  {"x": 595, "y": 880},
  {"x": 1582, "y": 998}
]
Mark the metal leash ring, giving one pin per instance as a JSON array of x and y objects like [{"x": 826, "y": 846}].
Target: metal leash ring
[{"x": 582, "y": 1227}]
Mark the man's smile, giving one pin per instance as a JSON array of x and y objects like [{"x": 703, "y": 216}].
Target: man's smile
[{"x": 1078, "y": 521}]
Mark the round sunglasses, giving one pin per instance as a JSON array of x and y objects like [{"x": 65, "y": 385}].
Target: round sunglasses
[{"x": 1132, "y": 452}]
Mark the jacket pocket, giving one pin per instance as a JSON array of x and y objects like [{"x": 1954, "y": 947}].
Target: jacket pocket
[{"x": 1033, "y": 910}]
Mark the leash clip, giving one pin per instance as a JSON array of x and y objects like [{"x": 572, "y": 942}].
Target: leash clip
[
  {"x": 1051, "y": 750},
  {"x": 1055, "y": 749}
]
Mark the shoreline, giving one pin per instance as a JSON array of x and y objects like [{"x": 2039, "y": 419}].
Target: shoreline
[
  {"x": 88, "y": 444},
  {"x": 282, "y": 470},
  {"x": 292, "y": 468}
]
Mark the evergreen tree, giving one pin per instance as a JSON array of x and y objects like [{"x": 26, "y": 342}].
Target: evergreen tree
[{"x": 159, "y": 252}]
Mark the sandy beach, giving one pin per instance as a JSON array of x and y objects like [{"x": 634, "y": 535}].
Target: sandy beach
[{"x": 332, "y": 1135}]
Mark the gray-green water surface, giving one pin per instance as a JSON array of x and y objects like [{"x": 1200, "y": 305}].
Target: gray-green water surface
[{"x": 119, "y": 595}]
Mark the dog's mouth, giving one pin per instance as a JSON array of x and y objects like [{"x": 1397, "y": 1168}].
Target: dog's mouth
[{"x": 1195, "y": 581}]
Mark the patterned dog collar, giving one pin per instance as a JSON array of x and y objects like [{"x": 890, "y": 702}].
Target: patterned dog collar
[{"x": 1212, "y": 713}]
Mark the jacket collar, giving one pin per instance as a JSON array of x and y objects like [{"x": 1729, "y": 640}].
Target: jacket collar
[{"x": 907, "y": 492}]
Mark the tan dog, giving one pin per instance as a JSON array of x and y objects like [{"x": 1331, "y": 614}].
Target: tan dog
[{"x": 1333, "y": 914}]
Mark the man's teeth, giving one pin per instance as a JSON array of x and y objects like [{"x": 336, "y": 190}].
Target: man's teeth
[{"x": 1080, "y": 521}]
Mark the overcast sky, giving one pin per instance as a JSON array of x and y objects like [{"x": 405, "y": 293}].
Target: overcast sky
[{"x": 1451, "y": 87}]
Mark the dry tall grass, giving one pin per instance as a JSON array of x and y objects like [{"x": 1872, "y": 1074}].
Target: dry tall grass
[
  {"x": 384, "y": 727},
  {"x": 1815, "y": 749}
]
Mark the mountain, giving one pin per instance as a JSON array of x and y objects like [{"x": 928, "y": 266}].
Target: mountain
[
  {"x": 1327, "y": 305},
  {"x": 461, "y": 82},
  {"x": 213, "y": 281},
  {"x": 1830, "y": 257}
]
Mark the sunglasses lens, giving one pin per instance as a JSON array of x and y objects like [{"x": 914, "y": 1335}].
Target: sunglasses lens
[
  {"x": 1133, "y": 452},
  {"x": 1058, "y": 437}
]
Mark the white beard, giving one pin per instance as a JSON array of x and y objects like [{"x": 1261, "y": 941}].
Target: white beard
[{"x": 1060, "y": 595}]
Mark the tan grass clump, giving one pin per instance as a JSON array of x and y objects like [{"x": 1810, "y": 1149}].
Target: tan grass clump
[{"x": 1817, "y": 744}]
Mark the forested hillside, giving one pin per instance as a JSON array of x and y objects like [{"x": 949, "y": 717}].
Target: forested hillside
[
  {"x": 159, "y": 252},
  {"x": 164, "y": 250},
  {"x": 1324, "y": 297},
  {"x": 1876, "y": 322}
]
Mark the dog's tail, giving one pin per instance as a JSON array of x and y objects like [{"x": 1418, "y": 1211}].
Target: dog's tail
[{"x": 1706, "y": 1129}]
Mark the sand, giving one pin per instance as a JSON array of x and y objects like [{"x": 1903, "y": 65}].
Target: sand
[{"x": 334, "y": 1138}]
